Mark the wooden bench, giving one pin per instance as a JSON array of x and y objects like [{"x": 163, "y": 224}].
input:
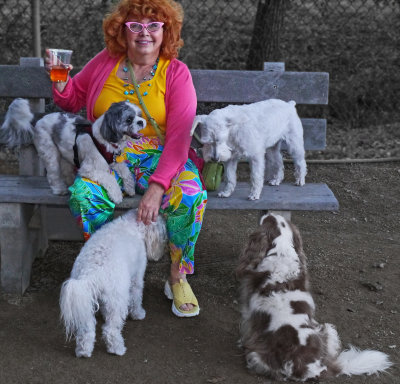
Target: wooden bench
[{"x": 30, "y": 215}]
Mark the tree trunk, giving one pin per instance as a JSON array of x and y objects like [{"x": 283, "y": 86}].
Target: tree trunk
[{"x": 267, "y": 26}]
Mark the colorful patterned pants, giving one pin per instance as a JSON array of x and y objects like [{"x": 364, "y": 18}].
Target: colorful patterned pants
[{"x": 183, "y": 204}]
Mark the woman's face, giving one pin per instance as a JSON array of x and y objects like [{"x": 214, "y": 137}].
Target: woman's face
[{"x": 144, "y": 42}]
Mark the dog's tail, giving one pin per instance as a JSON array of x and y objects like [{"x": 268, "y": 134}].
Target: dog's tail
[
  {"x": 78, "y": 303},
  {"x": 17, "y": 129},
  {"x": 356, "y": 362}
]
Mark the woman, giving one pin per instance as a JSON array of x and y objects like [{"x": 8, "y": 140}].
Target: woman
[{"x": 146, "y": 35}]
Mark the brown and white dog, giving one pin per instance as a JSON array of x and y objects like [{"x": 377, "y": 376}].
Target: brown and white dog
[{"x": 279, "y": 334}]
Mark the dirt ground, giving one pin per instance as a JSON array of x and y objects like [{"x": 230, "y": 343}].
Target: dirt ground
[{"x": 353, "y": 260}]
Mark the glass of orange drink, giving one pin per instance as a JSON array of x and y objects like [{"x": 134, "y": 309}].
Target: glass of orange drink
[{"x": 59, "y": 64}]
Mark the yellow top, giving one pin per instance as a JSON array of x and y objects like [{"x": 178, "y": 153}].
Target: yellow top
[{"x": 113, "y": 92}]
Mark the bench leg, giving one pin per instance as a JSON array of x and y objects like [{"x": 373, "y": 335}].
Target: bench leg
[{"x": 21, "y": 240}]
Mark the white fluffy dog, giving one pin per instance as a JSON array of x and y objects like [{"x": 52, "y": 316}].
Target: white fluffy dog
[
  {"x": 279, "y": 333},
  {"x": 55, "y": 135},
  {"x": 108, "y": 274},
  {"x": 252, "y": 131}
]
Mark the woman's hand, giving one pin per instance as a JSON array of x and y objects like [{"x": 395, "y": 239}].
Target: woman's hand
[
  {"x": 60, "y": 86},
  {"x": 150, "y": 204}
]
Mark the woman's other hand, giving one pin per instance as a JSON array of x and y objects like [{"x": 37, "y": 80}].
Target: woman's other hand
[{"x": 150, "y": 204}]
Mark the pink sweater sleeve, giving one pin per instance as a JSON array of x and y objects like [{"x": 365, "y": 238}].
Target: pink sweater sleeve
[
  {"x": 180, "y": 104},
  {"x": 73, "y": 98},
  {"x": 83, "y": 89}
]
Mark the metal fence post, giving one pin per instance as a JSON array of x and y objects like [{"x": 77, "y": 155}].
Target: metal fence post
[{"x": 36, "y": 43}]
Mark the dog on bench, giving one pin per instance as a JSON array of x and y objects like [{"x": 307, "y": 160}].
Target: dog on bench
[
  {"x": 279, "y": 333},
  {"x": 253, "y": 131},
  {"x": 55, "y": 135},
  {"x": 108, "y": 275}
]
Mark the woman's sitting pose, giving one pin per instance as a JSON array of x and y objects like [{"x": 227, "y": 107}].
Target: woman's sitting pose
[{"x": 142, "y": 39}]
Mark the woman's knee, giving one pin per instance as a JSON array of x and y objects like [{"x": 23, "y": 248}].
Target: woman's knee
[{"x": 91, "y": 200}]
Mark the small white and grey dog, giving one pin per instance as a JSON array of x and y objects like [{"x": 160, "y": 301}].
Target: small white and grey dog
[
  {"x": 253, "y": 131},
  {"x": 55, "y": 135},
  {"x": 279, "y": 333},
  {"x": 108, "y": 275}
]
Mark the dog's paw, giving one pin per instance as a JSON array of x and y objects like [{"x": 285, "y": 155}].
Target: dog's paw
[
  {"x": 138, "y": 314},
  {"x": 224, "y": 193},
  {"x": 79, "y": 352},
  {"x": 59, "y": 190},
  {"x": 254, "y": 196},
  {"x": 300, "y": 182},
  {"x": 274, "y": 182},
  {"x": 129, "y": 188},
  {"x": 119, "y": 349},
  {"x": 116, "y": 196}
]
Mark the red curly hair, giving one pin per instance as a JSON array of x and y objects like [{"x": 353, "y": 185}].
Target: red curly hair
[{"x": 167, "y": 11}]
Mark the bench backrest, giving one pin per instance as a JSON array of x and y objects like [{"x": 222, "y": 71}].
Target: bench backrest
[{"x": 29, "y": 80}]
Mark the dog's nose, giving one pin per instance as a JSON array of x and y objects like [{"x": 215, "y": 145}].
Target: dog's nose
[
  {"x": 140, "y": 123},
  {"x": 214, "y": 158}
]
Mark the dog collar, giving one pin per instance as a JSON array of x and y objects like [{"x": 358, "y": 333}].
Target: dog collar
[{"x": 86, "y": 127}]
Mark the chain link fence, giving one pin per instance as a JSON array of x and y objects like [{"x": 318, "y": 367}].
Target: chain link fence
[
  {"x": 354, "y": 40},
  {"x": 69, "y": 24}
]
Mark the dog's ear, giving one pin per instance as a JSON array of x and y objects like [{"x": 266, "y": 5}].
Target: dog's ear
[
  {"x": 298, "y": 243},
  {"x": 197, "y": 123},
  {"x": 109, "y": 126},
  {"x": 270, "y": 228},
  {"x": 82, "y": 125},
  {"x": 256, "y": 248}
]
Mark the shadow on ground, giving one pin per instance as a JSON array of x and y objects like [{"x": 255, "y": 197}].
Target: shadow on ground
[{"x": 353, "y": 258}]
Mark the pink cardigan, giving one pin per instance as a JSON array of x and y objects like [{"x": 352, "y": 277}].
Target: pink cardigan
[{"x": 180, "y": 104}]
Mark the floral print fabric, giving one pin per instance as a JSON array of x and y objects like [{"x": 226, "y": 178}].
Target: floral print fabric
[{"x": 183, "y": 204}]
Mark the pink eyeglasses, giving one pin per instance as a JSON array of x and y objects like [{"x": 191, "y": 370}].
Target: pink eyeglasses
[{"x": 136, "y": 27}]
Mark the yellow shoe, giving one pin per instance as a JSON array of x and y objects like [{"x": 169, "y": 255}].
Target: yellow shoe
[{"x": 181, "y": 293}]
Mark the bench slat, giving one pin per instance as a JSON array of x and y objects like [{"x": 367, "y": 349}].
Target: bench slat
[
  {"x": 251, "y": 86},
  {"x": 28, "y": 82},
  {"x": 314, "y": 134},
  {"x": 35, "y": 190},
  {"x": 310, "y": 197},
  {"x": 211, "y": 85}
]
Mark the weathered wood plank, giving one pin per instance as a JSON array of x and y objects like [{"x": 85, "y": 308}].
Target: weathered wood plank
[
  {"x": 211, "y": 85},
  {"x": 28, "y": 82},
  {"x": 19, "y": 245},
  {"x": 314, "y": 134},
  {"x": 251, "y": 86},
  {"x": 286, "y": 196},
  {"x": 35, "y": 190}
]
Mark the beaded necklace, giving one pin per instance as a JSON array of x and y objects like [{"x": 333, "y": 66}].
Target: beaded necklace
[{"x": 127, "y": 86}]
